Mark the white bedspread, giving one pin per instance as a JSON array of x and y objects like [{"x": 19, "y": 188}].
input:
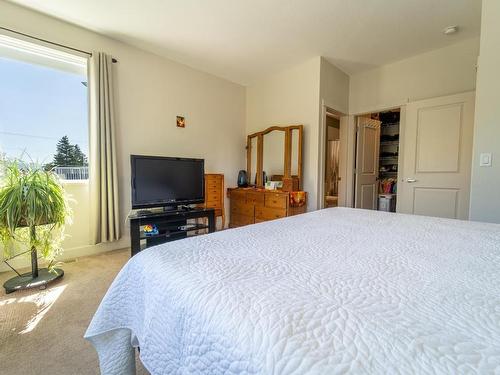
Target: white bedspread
[{"x": 330, "y": 292}]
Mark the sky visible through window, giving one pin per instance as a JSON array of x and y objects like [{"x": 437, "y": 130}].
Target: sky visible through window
[{"x": 38, "y": 106}]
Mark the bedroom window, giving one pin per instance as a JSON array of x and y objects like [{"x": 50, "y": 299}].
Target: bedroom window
[{"x": 44, "y": 107}]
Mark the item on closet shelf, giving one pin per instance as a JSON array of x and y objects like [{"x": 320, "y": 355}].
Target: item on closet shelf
[
  {"x": 389, "y": 117},
  {"x": 388, "y": 168},
  {"x": 388, "y": 185},
  {"x": 242, "y": 178},
  {"x": 387, "y": 153},
  {"x": 387, "y": 203},
  {"x": 389, "y": 138}
]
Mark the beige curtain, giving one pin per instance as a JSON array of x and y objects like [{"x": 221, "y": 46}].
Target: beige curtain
[{"x": 103, "y": 175}]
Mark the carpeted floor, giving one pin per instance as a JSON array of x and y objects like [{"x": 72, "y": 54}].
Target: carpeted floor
[{"x": 41, "y": 331}]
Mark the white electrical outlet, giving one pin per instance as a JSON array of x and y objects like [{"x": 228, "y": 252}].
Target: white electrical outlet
[{"x": 485, "y": 159}]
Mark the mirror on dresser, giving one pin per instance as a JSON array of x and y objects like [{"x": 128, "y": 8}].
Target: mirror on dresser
[
  {"x": 275, "y": 154},
  {"x": 252, "y": 161},
  {"x": 277, "y": 151}
]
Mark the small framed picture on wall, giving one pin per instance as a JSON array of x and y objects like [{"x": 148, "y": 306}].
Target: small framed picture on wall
[{"x": 181, "y": 122}]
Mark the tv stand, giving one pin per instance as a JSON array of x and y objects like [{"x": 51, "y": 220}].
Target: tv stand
[
  {"x": 144, "y": 212},
  {"x": 172, "y": 225},
  {"x": 168, "y": 209}
]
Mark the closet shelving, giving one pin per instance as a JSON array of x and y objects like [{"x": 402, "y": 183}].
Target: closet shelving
[
  {"x": 389, "y": 156},
  {"x": 389, "y": 147}
]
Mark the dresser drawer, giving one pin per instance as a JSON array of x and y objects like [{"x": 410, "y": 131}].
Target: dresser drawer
[
  {"x": 255, "y": 198},
  {"x": 241, "y": 208},
  {"x": 216, "y": 204},
  {"x": 238, "y": 220},
  {"x": 238, "y": 195},
  {"x": 266, "y": 213},
  {"x": 213, "y": 189},
  {"x": 274, "y": 200},
  {"x": 212, "y": 197},
  {"x": 213, "y": 185},
  {"x": 214, "y": 177}
]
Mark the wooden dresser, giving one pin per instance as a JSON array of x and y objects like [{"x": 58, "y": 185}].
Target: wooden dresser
[{"x": 254, "y": 205}]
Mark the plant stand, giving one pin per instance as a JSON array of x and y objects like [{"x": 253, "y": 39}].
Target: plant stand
[
  {"x": 37, "y": 278},
  {"x": 27, "y": 281}
]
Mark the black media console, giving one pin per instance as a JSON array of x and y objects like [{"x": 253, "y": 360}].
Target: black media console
[{"x": 172, "y": 225}]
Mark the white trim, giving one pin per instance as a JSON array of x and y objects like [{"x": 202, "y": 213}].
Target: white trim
[
  {"x": 34, "y": 52},
  {"x": 41, "y": 51},
  {"x": 380, "y": 108},
  {"x": 322, "y": 135},
  {"x": 73, "y": 253}
]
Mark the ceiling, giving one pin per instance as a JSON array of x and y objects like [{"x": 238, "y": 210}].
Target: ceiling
[{"x": 243, "y": 40}]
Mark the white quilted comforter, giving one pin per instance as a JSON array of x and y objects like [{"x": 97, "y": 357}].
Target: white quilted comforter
[{"x": 330, "y": 292}]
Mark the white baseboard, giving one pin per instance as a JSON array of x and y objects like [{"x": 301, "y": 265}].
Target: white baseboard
[{"x": 70, "y": 254}]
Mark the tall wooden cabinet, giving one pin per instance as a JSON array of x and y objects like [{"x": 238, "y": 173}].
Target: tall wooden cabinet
[{"x": 214, "y": 195}]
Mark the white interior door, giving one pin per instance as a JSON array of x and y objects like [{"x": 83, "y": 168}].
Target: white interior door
[
  {"x": 367, "y": 157},
  {"x": 437, "y": 157},
  {"x": 344, "y": 124}
]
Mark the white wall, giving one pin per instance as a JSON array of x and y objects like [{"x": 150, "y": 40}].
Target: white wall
[
  {"x": 295, "y": 96},
  {"x": 288, "y": 98},
  {"x": 150, "y": 92},
  {"x": 334, "y": 87},
  {"x": 435, "y": 73},
  {"x": 485, "y": 187},
  {"x": 334, "y": 94}
]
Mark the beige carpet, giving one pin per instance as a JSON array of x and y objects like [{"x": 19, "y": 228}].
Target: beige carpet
[{"x": 41, "y": 331}]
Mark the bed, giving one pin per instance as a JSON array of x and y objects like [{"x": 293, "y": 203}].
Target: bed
[{"x": 328, "y": 292}]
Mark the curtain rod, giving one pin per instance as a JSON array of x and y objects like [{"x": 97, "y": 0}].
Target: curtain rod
[{"x": 53, "y": 43}]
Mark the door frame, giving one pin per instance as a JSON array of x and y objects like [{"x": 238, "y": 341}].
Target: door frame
[
  {"x": 345, "y": 123},
  {"x": 352, "y": 145}
]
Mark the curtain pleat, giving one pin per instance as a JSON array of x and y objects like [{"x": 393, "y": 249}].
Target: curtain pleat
[{"x": 103, "y": 171}]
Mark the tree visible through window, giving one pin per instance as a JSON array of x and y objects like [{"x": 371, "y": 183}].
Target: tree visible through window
[
  {"x": 69, "y": 161},
  {"x": 43, "y": 108}
]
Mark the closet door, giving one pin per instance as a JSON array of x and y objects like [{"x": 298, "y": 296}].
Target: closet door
[
  {"x": 437, "y": 158},
  {"x": 367, "y": 155}
]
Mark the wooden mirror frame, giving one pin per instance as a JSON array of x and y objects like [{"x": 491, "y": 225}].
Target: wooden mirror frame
[{"x": 287, "y": 167}]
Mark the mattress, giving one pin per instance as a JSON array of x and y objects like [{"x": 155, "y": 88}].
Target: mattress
[{"x": 334, "y": 291}]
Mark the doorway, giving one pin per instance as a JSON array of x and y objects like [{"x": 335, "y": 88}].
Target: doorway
[
  {"x": 334, "y": 185},
  {"x": 332, "y": 160},
  {"x": 377, "y": 160},
  {"x": 424, "y": 158}
]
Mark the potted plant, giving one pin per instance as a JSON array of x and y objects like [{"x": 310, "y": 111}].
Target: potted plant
[{"x": 33, "y": 213}]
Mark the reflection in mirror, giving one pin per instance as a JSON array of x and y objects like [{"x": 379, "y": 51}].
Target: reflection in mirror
[
  {"x": 274, "y": 154},
  {"x": 253, "y": 162},
  {"x": 295, "y": 152}
]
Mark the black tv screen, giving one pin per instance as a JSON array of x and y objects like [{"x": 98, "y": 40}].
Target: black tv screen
[{"x": 165, "y": 181}]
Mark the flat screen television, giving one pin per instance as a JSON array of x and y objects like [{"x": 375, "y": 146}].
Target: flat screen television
[{"x": 166, "y": 181}]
